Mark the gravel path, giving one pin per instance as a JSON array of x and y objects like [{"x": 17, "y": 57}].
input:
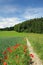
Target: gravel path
[{"x": 36, "y": 59}]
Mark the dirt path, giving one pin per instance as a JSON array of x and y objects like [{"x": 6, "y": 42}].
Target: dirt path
[{"x": 36, "y": 59}]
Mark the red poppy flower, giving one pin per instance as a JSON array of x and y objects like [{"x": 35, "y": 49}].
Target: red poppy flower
[
  {"x": 17, "y": 44},
  {"x": 9, "y": 49},
  {"x": 31, "y": 55},
  {"x": 4, "y": 52},
  {"x": 5, "y": 63},
  {"x": 5, "y": 57},
  {"x": 14, "y": 47}
]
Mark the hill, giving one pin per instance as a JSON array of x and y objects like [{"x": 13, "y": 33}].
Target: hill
[{"x": 32, "y": 25}]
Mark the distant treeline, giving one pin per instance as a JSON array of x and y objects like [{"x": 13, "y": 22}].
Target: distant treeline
[
  {"x": 32, "y": 25},
  {"x": 7, "y": 29}
]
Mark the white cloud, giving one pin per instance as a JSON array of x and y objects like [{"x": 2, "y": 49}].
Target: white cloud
[
  {"x": 7, "y": 22},
  {"x": 25, "y": 14}
]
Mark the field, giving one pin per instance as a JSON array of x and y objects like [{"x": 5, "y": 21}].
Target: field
[
  {"x": 12, "y": 47},
  {"x": 37, "y": 43},
  {"x": 7, "y": 42},
  {"x": 11, "y": 34},
  {"x": 8, "y": 39}
]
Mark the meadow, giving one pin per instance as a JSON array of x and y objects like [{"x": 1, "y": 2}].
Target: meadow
[
  {"x": 13, "y": 49},
  {"x": 10, "y": 38},
  {"x": 36, "y": 41},
  {"x": 7, "y": 42}
]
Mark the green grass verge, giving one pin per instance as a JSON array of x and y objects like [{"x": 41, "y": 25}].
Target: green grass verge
[{"x": 36, "y": 41}]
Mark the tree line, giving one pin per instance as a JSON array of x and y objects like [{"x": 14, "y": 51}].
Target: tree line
[
  {"x": 7, "y": 29},
  {"x": 32, "y": 25}
]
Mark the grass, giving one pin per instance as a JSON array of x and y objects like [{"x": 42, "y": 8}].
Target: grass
[
  {"x": 10, "y": 34},
  {"x": 17, "y": 55},
  {"x": 7, "y": 42},
  {"x": 11, "y": 37},
  {"x": 36, "y": 41}
]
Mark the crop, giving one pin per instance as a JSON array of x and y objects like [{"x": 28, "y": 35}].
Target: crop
[
  {"x": 13, "y": 51},
  {"x": 16, "y": 55}
]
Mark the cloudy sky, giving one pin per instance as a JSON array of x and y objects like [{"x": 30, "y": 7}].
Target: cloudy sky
[{"x": 17, "y": 11}]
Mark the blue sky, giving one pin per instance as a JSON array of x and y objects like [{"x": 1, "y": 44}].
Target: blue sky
[{"x": 16, "y": 11}]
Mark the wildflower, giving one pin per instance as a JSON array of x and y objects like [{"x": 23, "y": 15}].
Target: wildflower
[
  {"x": 4, "y": 52},
  {"x": 9, "y": 50},
  {"x": 5, "y": 63},
  {"x": 5, "y": 57},
  {"x": 16, "y": 46},
  {"x": 31, "y": 55}
]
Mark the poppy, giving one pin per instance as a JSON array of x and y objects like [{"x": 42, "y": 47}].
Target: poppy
[
  {"x": 5, "y": 63},
  {"x": 5, "y": 57},
  {"x": 9, "y": 49},
  {"x": 31, "y": 55},
  {"x": 17, "y": 44},
  {"x": 4, "y": 52},
  {"x": 14, "y": 47}
]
